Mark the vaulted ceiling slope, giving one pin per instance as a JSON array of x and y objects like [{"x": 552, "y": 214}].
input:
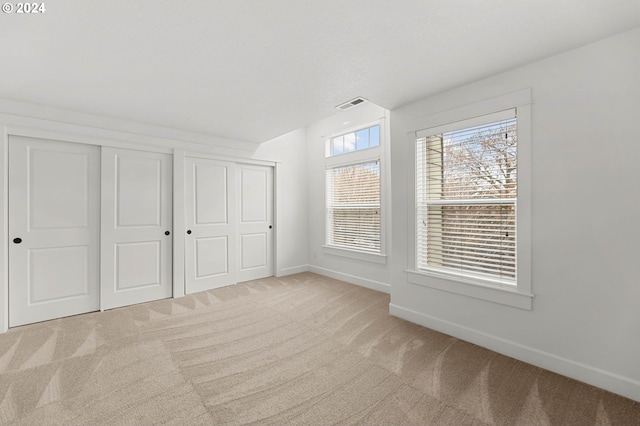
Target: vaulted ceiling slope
[{"x": 255, "y": 69}]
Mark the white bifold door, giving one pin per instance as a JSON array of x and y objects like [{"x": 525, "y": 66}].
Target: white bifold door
[
  {"x": 229, "y": 212},
  {"x": 54, "y": 213},
  {"x": 136, "y": 232}
]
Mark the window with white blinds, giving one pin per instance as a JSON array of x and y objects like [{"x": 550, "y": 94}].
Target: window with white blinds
[
  {"x": 466, "y": 191},
  {"x": 353, "y": 206}
]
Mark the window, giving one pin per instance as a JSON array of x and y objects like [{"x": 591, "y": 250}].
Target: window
[
  {"x": 471, "y": 213},
  {"x": 466, "y": 193},
  {"x": 355, "y": 141},
  {"x": 353, "y": 206},
  {"x": 352, "y": 191}
]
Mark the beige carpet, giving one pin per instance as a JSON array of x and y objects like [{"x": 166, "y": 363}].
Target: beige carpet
[{"x": 303, "y": 349}]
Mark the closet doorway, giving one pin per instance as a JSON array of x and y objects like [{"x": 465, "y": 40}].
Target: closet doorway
[
  {"x": 89, "y": 228},
  {"x": 229, "y": 223}
]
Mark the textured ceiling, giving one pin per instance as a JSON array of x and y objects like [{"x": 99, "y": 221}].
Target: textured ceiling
[{"x": 255, "y": 69}]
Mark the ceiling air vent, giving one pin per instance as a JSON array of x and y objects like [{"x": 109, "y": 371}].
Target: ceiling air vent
[{"x": 350, "y": 104}]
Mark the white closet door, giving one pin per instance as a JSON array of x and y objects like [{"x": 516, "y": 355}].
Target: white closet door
[
  {"x": 210, "y": 244},
  {"x": 136, "y": 241},
  {"x": 54, "y": 196},
  {"x": 255, "y": 222}
]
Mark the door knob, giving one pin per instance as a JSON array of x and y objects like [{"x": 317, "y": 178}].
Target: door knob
[
  {"x": 188, "y": 231},
  {"x": 17, "y": 240},
  {"x": 270, "y": 226},
  {"x": 167, "y": 233}
]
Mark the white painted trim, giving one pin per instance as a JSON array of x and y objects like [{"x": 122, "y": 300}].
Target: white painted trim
[
  {"x": 242, "y": 160},
  {"x": 386, "y": 207},
  {"x": 471, "y": 122},
  {"x": 32, "y": 115},
  {"x": 292, "y": 270},
  {"x": 471, "y": 287},
  {"x": 354, "y": 128},
  {"x": 83, "y": 139},
  {"x": 355, "y": 254},
  {"x": 179, "y": 227},
  {"x": 355, "y": 157},
  {"x": 363, "y": 282},
  {"x": 274, "y": 205},
  {"x": 4, "y": 231},
  {"x": 524, "y": 206},
  {"x": 476, "y": 109},
  {"x": 115, "y": 138},
  {"x": 607, "y": 380}
]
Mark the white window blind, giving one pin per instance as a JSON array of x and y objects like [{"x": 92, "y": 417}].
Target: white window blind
[
  {"x": 353, "y": 206},
  {"x": 466, "y": 183}
]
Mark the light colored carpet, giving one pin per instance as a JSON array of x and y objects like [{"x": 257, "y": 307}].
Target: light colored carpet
[{"x": 303, "y": 349}]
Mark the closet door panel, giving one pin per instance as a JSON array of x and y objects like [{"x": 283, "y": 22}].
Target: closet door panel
[
  {"x": 255, "y": 225},
  {"x": 210, "y": 245},
  {"x": 54, "y": 229},
  {"x": 136, "y": 227}
]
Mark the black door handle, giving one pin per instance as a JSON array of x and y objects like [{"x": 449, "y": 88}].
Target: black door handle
[
  {"x": 270, "y": 226},
  {"x": 17, "y": 240},
  {"x": 188, "y": 231},
  {"x": 167, "y": 233}
]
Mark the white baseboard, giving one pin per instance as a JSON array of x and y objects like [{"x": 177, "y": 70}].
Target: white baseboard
[
  {"x": 292, "y": 270},
  {"x": 594, "y": 376},
  {"x": 364, "y": 282}
]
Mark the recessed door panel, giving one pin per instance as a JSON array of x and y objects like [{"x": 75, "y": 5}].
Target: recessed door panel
[
  {"x": 253, "y": 250},
  {"x": 138, "y": 265},
  {"x": 210, "y": 246},
  {"x": 139, "y": 191},
  {"x": 212, "y": 257},
  {"x": 255, "y": 228},
  {"x": 136, "y": 238},
  {"x": 211, "y": 186},
  {"x": 53, "y": 229},
  {"x": 254, "y": 190},
  {"x": 58, "y": 189},
  {"x": 58, "y": 273}
]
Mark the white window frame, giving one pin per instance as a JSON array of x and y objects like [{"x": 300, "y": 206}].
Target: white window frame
[
  {"x": 518, "y": 295},
  {"x": 354, "y": 158}
]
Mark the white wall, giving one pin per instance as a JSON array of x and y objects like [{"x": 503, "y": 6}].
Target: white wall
[
  {"x": 290, "y": 153},
  {"x": 368, "y": 274},
  {"x": 585, "y": 321}
]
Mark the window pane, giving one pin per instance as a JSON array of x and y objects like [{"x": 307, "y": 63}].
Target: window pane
[
  {"x": 349, "y": 142},
  {"x": 362, "y": 139},
  {"x": 374, "y": 136},
  {"x": 355, "y": 141},
  {"x": 480, "y": 162},
  {"x": 353, "y": 206},
  {"x": 356, "y": 228},
  {"x": 472, "y": 238},
  {"x": 338, "y": 145},
  {"x": 459, "y": 227}
]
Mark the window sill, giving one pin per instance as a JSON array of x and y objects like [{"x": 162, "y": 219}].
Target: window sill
[
  {"x": 354, "y": 254},
  {"x": 476, "y": 288}
]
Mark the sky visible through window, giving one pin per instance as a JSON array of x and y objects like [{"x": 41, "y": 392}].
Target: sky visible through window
[{"x": 356, "y": 141}]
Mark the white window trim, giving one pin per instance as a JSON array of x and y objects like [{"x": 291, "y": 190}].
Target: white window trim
[
  {"x": 355, "y": 254},
  {"x": 358, "y": 157},
  {"x": 520, "y": 295}
]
